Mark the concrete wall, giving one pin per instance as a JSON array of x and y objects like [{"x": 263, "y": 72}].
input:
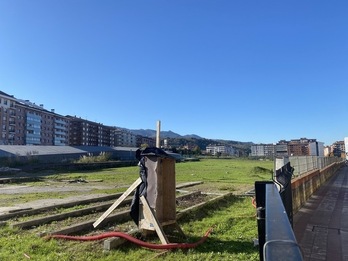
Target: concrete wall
[{"x": 304, "y": 186}]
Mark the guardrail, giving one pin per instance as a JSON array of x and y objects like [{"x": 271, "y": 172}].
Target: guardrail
[{"x": 274, "y": 218}]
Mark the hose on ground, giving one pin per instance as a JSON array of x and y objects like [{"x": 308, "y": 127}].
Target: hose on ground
[{"x": 134, "y": 240}]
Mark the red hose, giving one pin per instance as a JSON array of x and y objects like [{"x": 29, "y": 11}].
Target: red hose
[{"x": 134, "y": 240}]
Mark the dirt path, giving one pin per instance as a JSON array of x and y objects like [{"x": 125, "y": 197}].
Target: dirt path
[{"x": 83, "y": 189}]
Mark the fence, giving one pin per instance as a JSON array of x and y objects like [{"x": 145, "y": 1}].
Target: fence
[{"x": 303, "y": 164}]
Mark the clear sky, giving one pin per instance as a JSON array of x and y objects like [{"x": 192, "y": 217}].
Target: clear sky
[{"x": 245, "y": 70}]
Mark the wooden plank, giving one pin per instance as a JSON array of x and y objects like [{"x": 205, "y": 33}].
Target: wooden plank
[
  {"x": 60, "y": 205},
  {"x": 57, "y": 217},
  {"x": 118, "y": 201},
  {"x": 189, "y": 184},
  {"x": 87, "y": 226},
  {"x": 148, "y": 211}
]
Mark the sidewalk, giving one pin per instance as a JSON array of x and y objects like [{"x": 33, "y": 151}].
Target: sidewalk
[{"x": 321, "y": 225}]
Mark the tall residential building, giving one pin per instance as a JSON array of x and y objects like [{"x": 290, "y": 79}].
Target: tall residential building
[
  {"x": 299, "y": 147},
  {"x": 316, "y": 149},
  {"x": 88, "y": 133},
  {"x": 37, "y": 126},
  {"x": 124, "y": 138},
  {"x": 262, "y": 150},
  {"x": 7, "y": 119},
  {"x": 61, "y": 130},
  {"x": 25, "y": 123}
]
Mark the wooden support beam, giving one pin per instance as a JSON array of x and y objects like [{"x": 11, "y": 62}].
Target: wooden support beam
[
  {"x": 148, "y": 212},
  {"x": 118, "y": 201}
]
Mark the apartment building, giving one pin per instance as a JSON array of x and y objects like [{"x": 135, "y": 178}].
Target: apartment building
[
  {"x": 124, "y": 138},
  {"x": 262, "y": 150},
  {"x": 316, "y": 149},
  {"x": 37, "y": 126},
  {"x": 88, "y": 133},
  {"x": 281, "y": 148},
  {"x": 339, "y": 149},
  {"x": 221, "y": 149},
  {"x": 61, "y": 130},
  {"x": 299, "y": 147},
  {"x": 295, "y": 147},
  {"x": 141, "y": 140},
  {"x": 25, "y": 123},
  {"x": 7, "y": 119}
]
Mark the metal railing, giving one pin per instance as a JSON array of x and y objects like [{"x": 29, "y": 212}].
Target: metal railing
[
  {"x": 274, "y": 218},
  {"x": 304, "y": 164}
]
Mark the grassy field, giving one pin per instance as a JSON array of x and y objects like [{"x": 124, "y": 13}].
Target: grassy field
[{"x": 233, "y": 219}]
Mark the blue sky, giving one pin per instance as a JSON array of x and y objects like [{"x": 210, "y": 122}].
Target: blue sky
[{"x": 257, "y": 71}]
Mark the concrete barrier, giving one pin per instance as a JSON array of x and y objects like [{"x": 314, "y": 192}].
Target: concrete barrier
[{"x": 304, "y": 186}]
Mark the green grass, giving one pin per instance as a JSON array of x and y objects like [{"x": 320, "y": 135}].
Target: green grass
[
  {"x": 233, "y": 219},
  {"x": 232, "y": 239},
  {"x": 218, "y": 175},
  {"x": 238, "y": 171}
]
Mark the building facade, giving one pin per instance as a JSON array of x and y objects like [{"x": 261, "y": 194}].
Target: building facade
[
  {"x": 339, "y": 149},
  {"x": 124, "y": 138},
  {"x": 221, "y": 150},
  {"x": 300, "y": 147},
  {"x": 37, "y": 126},
  {"x": 61, "y": 130},
  {"x": 295, "y": 147},
  {"x": 281, "y": 148},
  {"x": 8, "y": 119},
  {"x": 145, "y": 141},
  {"x": 316, "y": 149},
  {"x": 25, "y": 123},
  {"x": 88, "y": 133},
  {"x": 263, "y": 150}
]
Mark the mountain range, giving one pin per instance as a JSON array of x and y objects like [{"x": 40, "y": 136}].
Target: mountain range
[
  {"x": 178, "y": 140},
  {"x": 164, "y": 134}
]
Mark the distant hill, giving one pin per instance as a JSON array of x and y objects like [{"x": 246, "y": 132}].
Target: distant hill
[
  {"x": 177, "y": 140},
  {"x": 164, "y": 134}
]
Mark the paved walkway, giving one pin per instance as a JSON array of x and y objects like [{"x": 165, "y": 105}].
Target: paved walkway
[{"x": 321, "y": 226}]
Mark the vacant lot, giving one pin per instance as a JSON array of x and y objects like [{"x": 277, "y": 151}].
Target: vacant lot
[{"x": 234, "y": 219}]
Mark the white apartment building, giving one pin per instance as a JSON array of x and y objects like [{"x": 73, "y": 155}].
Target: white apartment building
[
  {"x": 220, "y": 149},
  {"x": 262, "y": 150},
  {"x": 124, "y": 138}
]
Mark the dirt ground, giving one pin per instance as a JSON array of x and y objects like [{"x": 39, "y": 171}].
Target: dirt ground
[
  {"x": 18, "y": 189},
  {"x": 82, "y": 188}
]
